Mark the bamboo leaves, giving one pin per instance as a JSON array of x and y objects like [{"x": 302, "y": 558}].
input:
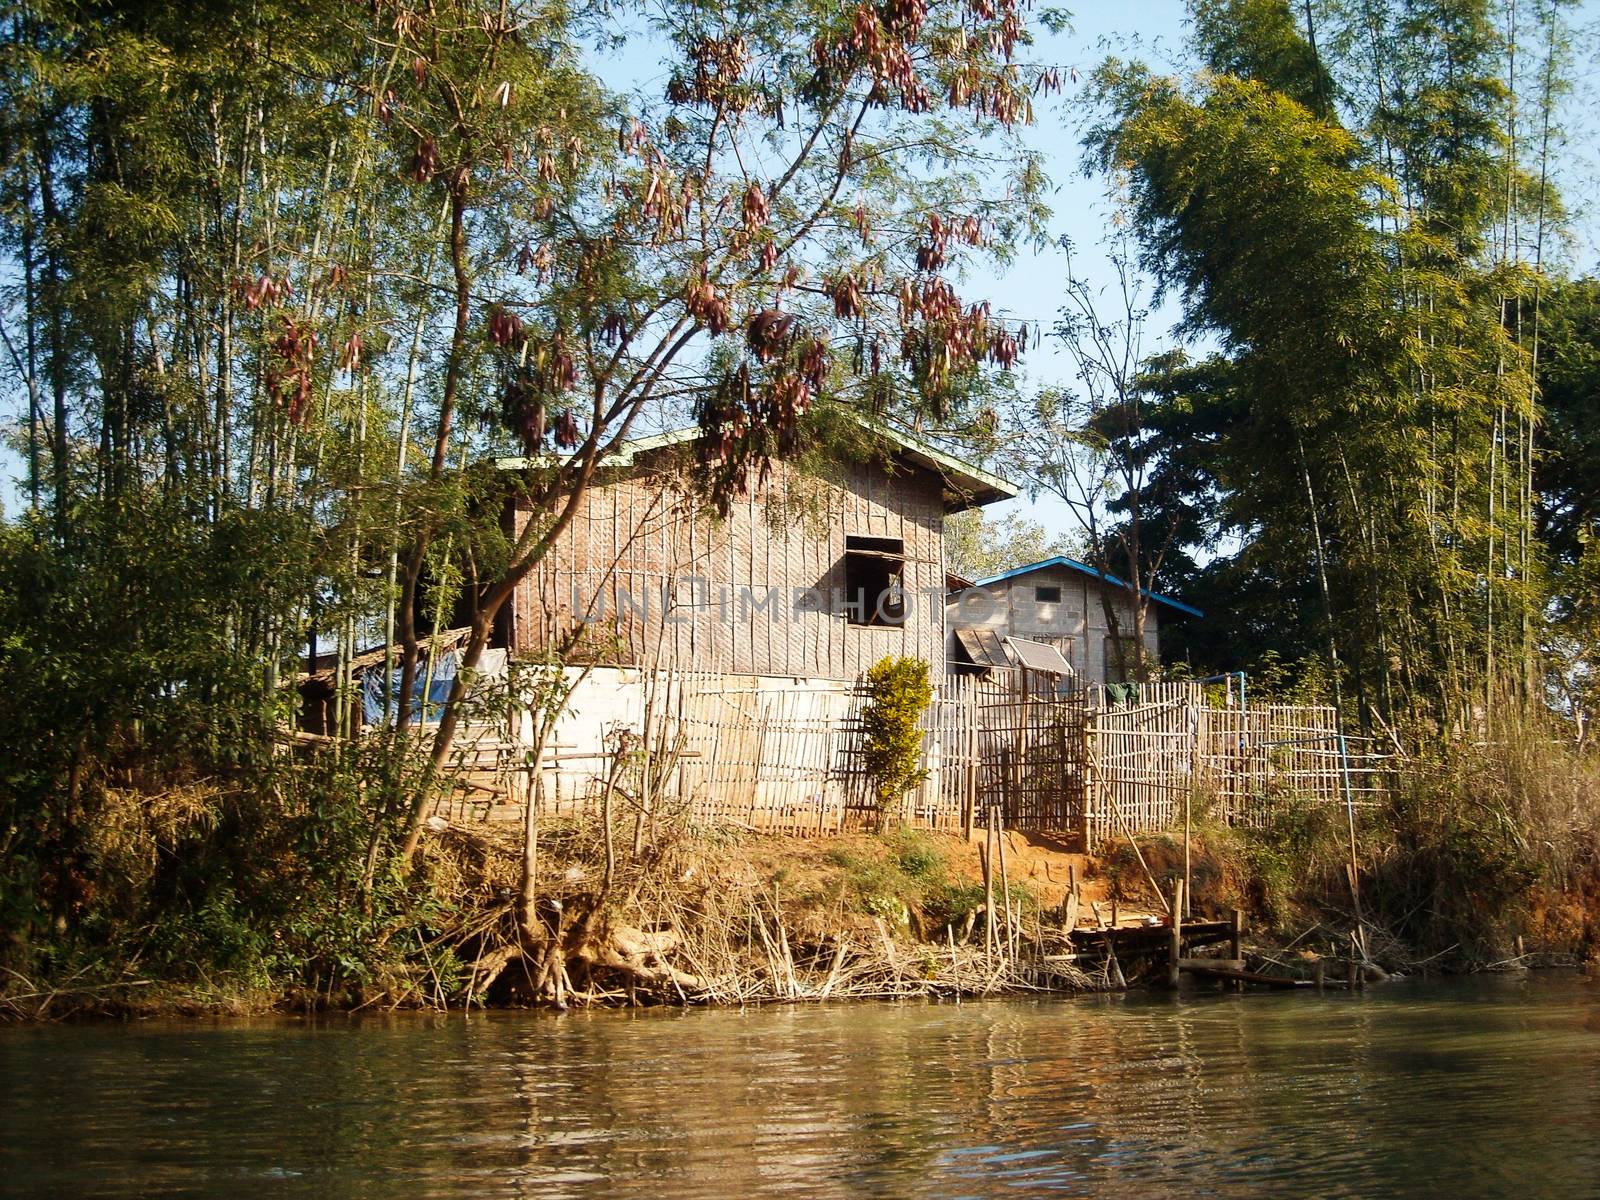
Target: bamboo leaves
[{"x": 1347, "y": 225}]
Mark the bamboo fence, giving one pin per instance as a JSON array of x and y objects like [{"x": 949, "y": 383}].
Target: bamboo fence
[
  {"x": 786, "y": 756},
  {"x": 1148, "y": 759}
]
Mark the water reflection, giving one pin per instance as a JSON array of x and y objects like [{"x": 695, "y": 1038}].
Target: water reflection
[{"x": 1469, "y": 1088}]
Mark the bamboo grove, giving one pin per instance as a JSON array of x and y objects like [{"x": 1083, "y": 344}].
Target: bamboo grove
[{"x": 1354, "y": 202}]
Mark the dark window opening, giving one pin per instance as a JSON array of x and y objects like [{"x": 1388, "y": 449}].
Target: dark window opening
[
  {"x": 1047, "y": 595},
  {"x": 873, "y": 570}
]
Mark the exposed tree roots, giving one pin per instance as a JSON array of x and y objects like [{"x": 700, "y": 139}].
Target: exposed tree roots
[{"x": 681, "y": 926}]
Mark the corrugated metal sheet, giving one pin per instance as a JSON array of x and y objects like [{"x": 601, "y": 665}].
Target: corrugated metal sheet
[
  {"x": 984, "y": 647},
  {"x": 1036, "y": 656}
]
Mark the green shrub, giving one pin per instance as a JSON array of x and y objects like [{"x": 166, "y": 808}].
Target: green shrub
[
  {"x": 149, "y": 816},
  {"x": 1297, "y": 860},
  {"x": 947, "y": 901},
  {"x": 917, "y": 857},
  {"x": 898, "y": 693},
  {"x": 911, "y": 873}
]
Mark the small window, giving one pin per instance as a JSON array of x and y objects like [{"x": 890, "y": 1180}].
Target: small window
[
  {"x": 873, "y": 570},
  {"x": 1047, "y": 595}
]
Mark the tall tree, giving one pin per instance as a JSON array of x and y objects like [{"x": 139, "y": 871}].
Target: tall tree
[
  {"x": 1342, "y": 226},
  {"x": 977, "y": 546},
  {"x": 1088, "y": 444},
  {"x": 758, "y": 243},
  {"x": 330, "y": 263}
]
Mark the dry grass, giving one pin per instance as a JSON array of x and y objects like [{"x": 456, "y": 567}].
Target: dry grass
[
  {"x": 1496, "y": 840},
  {"x": 736, "y": 918}
]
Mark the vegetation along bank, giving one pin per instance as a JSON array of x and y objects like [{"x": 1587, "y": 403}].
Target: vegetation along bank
[{"x": 335, "y": 335}]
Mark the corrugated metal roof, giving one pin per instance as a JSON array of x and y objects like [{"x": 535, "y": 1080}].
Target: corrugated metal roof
[
  {"x": 1039, "y": 656},
  {"x": 1073, "y": 564},
  {"x": 966, "y": 484},
  {"x": 984, "y": 647}
]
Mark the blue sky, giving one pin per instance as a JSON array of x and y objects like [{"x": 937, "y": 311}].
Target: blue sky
[{"x": 1153, "y": 31}]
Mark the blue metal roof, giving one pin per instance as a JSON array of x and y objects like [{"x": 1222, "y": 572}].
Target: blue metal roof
[{"x": 1073, "y": 564}]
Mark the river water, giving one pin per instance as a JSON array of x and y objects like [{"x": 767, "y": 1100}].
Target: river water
[{"x": 1488, "y": 1086}]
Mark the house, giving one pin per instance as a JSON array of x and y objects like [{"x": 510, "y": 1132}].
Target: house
[
  {"x": 810, "y": 576},
  {"x": 324, "y": 711},
  {"x": 1085, "y": 614}
]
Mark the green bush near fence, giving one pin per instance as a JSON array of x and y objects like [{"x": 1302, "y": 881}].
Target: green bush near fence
[{"x": 898, "y": 694}]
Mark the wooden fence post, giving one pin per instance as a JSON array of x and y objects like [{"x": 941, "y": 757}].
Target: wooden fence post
[
  {"x": 1177, "y": 935},
  {"x": 1188, "y": 800},
  {"x": 988, "y": 889},
  {"x": 1091, "y": 784},
  {"x": 1005, "y": 888},
  {"x": 1019, "y": 749}
]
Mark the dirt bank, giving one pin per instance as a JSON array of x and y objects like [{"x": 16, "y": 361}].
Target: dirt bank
[{"x": 738, "y": 917}]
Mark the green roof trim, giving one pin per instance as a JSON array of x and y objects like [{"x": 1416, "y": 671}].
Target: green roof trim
[{"x": 979, "y": 486}]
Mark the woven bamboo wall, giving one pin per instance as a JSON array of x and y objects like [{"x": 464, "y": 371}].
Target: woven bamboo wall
[{"x": 629, "y": 562}]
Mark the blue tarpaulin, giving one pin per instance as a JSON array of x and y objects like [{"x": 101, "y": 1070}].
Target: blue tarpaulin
[{"x": 378, "y": 707}]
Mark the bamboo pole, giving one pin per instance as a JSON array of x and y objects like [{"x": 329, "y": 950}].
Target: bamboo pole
[
  {"x": 1350, "y": 820},
  {"x": 1173, "y": 969},
  {"x": 1188, "y": 799},
  {"x": 1012, "y": 943},
  {"x": 988, "y": 893}
]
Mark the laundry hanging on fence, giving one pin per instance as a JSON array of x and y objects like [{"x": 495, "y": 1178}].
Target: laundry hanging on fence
[
  {"x": 380, "y": 703},
  {"x": 1122, "y": 693}
]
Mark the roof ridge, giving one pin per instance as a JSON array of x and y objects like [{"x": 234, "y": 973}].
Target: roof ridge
[
  {"x": 1061, "y": 560},
  {"x": 942, "y": 461}
]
